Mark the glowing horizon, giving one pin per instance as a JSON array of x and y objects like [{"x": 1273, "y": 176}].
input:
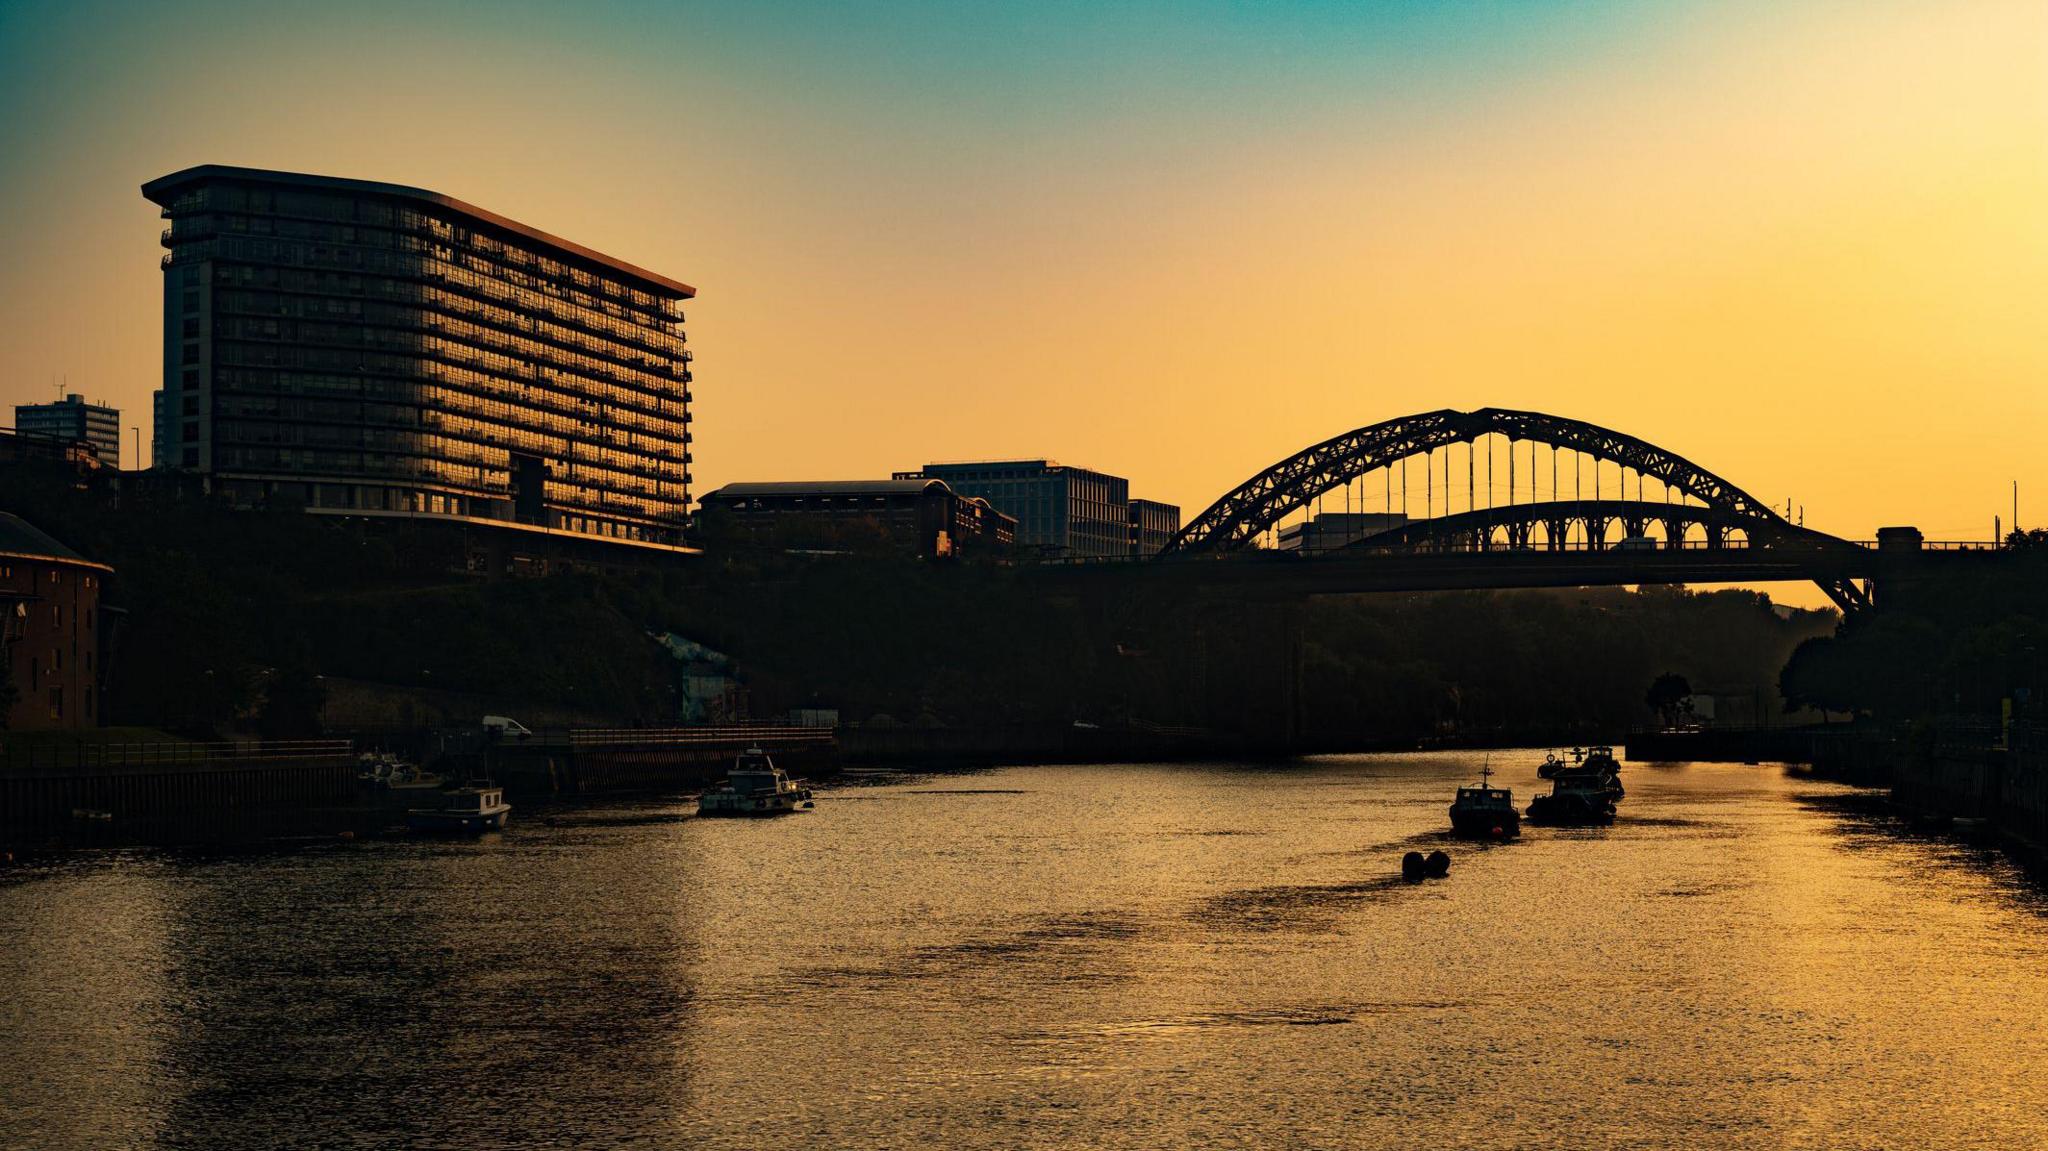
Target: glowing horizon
[{"x": 1800, "y": 244}]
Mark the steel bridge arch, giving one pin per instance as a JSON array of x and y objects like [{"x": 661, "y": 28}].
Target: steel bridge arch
[
  {"x": 1236, "y": 520},
  {"x": 1262, "y": 501}
]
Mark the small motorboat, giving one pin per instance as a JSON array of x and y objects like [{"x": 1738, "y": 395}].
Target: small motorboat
[
  {"x": 401, "y": 779},
  {"x": 755, "y": 786},
  {"x": 1485, "y": 812},
  {"x": 472, "y": 809}
]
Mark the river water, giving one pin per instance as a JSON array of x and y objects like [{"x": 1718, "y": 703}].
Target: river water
[{"x": 1104, "y": 956}]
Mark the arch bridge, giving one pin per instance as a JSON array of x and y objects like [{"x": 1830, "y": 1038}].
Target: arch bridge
[{"x": 1678, "y": 506}]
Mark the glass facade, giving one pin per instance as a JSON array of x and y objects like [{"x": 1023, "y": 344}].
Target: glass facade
[
  {"x": 1153, "y": 526},
  {"x": 379, "y": 349},
  {"x": 1061, "y": 511}
]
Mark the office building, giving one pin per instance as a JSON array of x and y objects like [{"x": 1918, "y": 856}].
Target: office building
[
  {"x": 1336, "y": 529},
  {"x": 923, "y": 515},
  {"x": 1061, "y": 511},
  {"x": 371, "y": 349},
  {"x": 51, "y": 635},
  {"x": 1153, "y": 526},
  {"x": 73, "y": 420}
]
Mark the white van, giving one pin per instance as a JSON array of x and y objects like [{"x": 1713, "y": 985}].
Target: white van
[{"x": 504, "y": 727}]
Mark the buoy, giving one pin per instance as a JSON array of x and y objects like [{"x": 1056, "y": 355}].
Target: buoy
[
  {"x": 1438, "y": 863},
  {"x": 1413, "y": 867}
]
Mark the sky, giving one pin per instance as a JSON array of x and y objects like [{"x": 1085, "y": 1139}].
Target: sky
[{"x": 1804, "y": 244}]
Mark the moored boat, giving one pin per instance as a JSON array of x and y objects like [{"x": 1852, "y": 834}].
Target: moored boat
[
  {"x": 1485, "y": 812},
  {"x": 755, "y": 786},
  {"x": 1582, "y": 794},
  {"x": 471, "y": 809}
]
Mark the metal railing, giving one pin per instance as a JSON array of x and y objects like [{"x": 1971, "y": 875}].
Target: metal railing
[
  {"x": 26, "y": 755},
  {"x": 719, "y": 736}
]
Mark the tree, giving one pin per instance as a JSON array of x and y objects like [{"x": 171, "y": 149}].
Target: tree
[
  {"x": 1669, "y": 695},
  {"x": 1819, "y": 676},
  {"x": 291, "y": 705}
]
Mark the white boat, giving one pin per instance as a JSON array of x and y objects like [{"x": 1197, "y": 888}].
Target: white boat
[
  {"x": 755, "y": 786},
  {"x": 472, "y": 809},
  {"x": 385, "y": 772}
]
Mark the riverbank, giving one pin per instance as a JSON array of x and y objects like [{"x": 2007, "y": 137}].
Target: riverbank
[{"x": 1975, "y": 777}]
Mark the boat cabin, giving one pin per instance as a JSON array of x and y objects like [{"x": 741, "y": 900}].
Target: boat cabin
[
  {"x": 476, "y": 798},
  {"x": 1486, "y": 795}
]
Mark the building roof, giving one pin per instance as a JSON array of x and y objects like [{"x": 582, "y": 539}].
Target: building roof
[
  {"x": 20, "y": 539},
  {"x": 161, "y": 190},
  {"x": 824, "y": 488}
]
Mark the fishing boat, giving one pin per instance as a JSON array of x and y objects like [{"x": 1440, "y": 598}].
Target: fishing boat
[
  {"x": 1582, "y": 794},
  {"x": 472, "y": 809},
  {"x": 1485, "y": 812},
  {"x": 755, "y": 786}
]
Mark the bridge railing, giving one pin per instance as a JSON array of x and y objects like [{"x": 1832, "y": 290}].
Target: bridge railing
[{"x": 1610, "y": 547}]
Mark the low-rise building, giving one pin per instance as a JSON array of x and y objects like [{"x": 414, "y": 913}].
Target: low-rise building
[
  {"x": 1061, "y": 511},
  {"x": 1153, "y": 526},
  {"x": 1336, "y": 529},
  {"x": 52, "y": 636},
  {"x": 925, "y": 515},
  {"x": 73, "y": 420},
  {"x": 27, "y": 448}
]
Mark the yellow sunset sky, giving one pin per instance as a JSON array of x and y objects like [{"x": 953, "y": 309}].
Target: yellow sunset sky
[{"x": 1803, "y": 244}]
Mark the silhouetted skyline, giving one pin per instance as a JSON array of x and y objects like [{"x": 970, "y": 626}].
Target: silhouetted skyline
[{"x": 1800, "y": 241}]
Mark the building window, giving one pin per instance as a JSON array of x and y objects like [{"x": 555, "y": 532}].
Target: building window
[{"x": 56, "y": 701}]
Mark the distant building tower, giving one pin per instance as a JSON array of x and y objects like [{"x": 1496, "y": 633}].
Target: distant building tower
[
  {"x": 73, "y": 420},
  {"x": 1153, "y": 526},
  {"x": 371, "y": 349},
  {"x": 1061, "y": 511},
  {"x": 156, "y": 430}
]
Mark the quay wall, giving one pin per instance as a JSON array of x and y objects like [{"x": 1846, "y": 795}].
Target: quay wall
[
  {"x": 137, "y": 785},
  {"x": 2005, "y": 788},
  {"x": 599, "y": 761}
]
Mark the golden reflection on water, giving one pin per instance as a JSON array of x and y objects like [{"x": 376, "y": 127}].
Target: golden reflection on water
[{"x": 1100, "y": 956}]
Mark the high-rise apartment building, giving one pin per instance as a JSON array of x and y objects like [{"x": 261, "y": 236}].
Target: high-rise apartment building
[
  {"x": 374, "y": 349},
  {"x": 73, "y": 420}
]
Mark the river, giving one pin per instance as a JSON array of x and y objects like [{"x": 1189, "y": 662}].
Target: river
[{"x": 1093, "y": 956}]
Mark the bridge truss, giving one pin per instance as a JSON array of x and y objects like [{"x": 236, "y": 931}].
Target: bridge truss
[{"x": 1693, "y": 495}]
